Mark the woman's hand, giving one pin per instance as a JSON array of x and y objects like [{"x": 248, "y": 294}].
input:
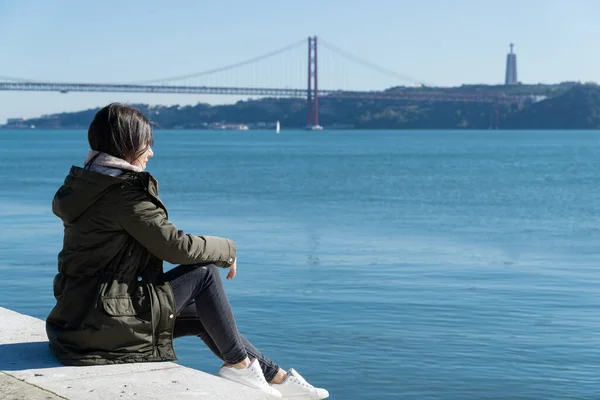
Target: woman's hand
[{"x": 232, "y": 270}]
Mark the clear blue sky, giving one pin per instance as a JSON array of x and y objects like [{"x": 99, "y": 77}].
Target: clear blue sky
[{"x": 440, "y": 42}]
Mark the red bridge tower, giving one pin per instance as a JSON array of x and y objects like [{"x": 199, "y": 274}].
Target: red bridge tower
[{"x": 312, "y": 95}]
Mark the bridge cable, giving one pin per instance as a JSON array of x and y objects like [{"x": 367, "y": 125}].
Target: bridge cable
[
  {"x": 226, "y": 67},
  {"x": 367, "y": 63},
  {"x": 14, "y": 79}
]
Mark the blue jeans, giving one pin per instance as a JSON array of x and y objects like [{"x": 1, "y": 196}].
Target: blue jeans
[{"x": 203, "y": 310}]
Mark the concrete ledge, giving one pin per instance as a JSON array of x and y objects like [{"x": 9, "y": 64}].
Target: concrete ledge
[
  {"x": 14, "y": 389},
  {"x": 31, "y": 372}
]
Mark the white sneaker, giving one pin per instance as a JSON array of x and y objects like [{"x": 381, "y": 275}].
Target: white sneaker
[
  {"x": 251, "y": 376},
  {"x": 295, "y": 387}
]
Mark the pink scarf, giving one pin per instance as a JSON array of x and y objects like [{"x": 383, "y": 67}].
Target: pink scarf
[{"x": 109, "y": 165}]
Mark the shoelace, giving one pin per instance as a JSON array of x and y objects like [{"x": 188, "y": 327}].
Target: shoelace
[
  {"x": 302, "y": 383},
  {"x": 260, "y": 377}
]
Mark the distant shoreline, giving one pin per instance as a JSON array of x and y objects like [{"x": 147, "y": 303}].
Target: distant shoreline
[
  {"x": 324, "y": 129},
  {"x": 567, "y": 106}
]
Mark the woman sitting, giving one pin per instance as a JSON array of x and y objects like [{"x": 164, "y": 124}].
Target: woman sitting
[{"x": 114, "y": 302}]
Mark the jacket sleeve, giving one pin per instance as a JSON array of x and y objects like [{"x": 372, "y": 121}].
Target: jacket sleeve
[{"x": 148, "y": 224}]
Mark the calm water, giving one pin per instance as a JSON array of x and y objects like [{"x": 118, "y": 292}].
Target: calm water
[{"x": 387, "y": 265}]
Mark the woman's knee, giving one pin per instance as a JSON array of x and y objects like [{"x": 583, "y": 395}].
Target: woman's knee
[
  {"x": 207, "y": 269},
  {"x": 191, "y": 276},
  {"x": 206, "y": 272}
]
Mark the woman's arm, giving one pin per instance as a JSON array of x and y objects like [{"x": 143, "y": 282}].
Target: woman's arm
[{"x": 148, "y": 224}]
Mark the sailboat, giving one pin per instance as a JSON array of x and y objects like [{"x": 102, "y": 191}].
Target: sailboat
[{"x": 277, "y": 127}]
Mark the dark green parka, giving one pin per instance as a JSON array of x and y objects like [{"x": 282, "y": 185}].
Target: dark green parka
[{"x": 112, "y": 303}]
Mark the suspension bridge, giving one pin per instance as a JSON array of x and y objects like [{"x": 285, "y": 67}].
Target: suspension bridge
[{"x": 284, "y": 66}]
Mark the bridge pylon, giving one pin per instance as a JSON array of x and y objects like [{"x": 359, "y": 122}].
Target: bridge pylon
[{"x": 312, "y": 94}]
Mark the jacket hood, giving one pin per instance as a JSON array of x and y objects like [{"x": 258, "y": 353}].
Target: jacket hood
[{"x": 81, "y": 189}]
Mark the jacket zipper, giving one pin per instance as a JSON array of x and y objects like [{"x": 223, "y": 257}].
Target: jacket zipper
[{"x": 151, "y": 295}]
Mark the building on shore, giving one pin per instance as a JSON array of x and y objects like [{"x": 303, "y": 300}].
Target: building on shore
[{"x": 511, "y": 68}]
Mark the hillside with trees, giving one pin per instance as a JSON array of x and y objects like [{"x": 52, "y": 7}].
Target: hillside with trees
[{"x": 566, "y": 106}]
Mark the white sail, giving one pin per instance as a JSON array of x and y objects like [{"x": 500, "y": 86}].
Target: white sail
[{"x": 277, "y": 127}]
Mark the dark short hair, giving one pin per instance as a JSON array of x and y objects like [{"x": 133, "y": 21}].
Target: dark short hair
[{"x": 121, "y": 131}]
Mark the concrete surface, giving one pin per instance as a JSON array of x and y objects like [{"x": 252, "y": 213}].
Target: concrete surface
[
  {"x": 24, "y": 355},
  {"x": 14, "y": 389}
]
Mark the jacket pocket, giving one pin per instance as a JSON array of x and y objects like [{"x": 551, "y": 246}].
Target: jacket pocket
[{"x": 118, "y": 306}]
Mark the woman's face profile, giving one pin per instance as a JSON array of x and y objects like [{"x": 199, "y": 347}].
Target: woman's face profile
[{"x": 142, "y": 160}]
